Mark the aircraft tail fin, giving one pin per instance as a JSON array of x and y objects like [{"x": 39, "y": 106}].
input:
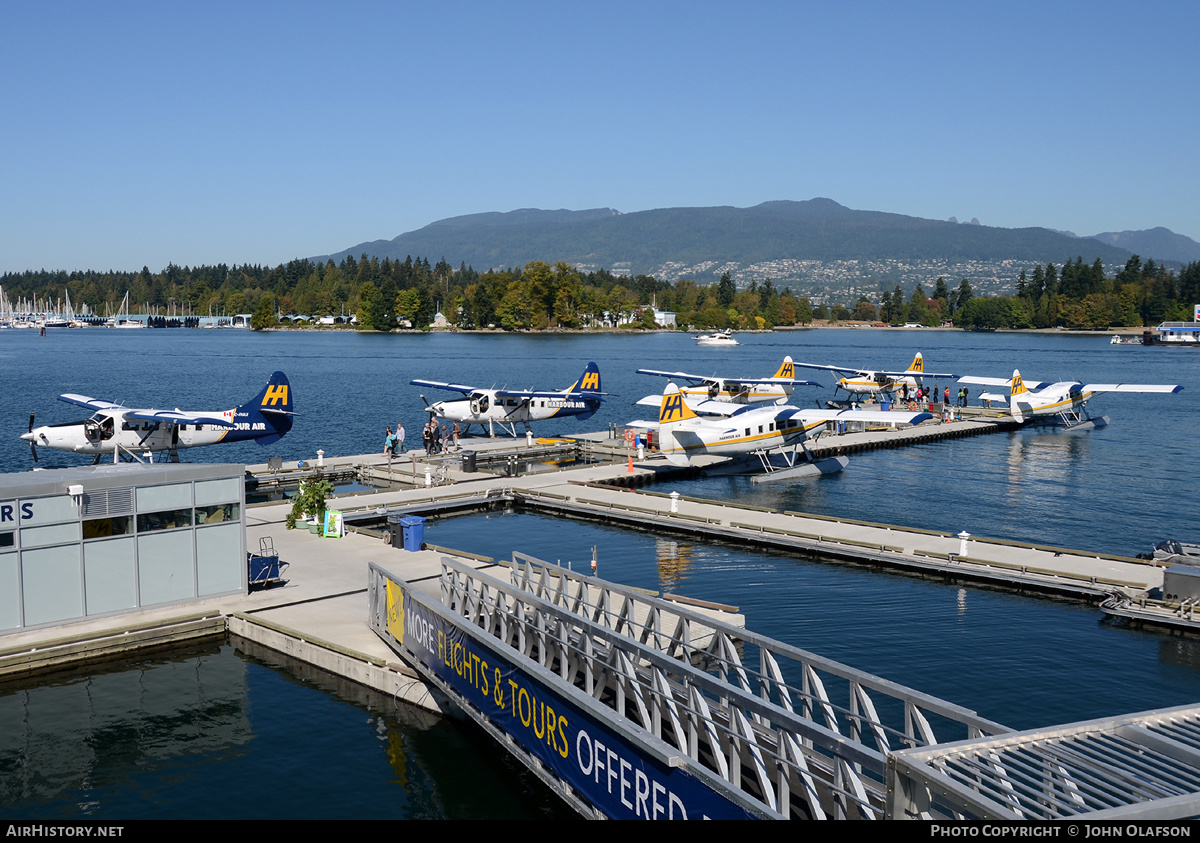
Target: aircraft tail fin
[
  {"x": 673, "y": 408},
  {"x": 787, "y": 369},
  {"x": 589, "y": 381},
  {"x": 1014, "y": 392},
  {"x": 918, "y": 365},
  {"x": 267, "y": 416}
]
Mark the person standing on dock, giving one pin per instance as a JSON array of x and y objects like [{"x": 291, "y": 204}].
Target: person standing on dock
[
  {"x": 389, "y": 443},
  {"x": 398, "y": 446},
  {"x": 427, "y": 437},
  {"x": 457, "y": 430}
]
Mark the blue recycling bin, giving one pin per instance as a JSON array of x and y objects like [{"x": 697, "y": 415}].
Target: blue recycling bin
[
  {"x": 414, "y": 532},
  {"x": 886, "y": 406}
]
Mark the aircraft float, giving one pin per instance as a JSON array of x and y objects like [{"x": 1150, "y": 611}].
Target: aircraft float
[
  {"x": 735, "y": 430},
  {"x": 510, "y": 407},
  {"x": 777, "y": 388},
  {"x": 1060, "y": 403},
  {"x": 872, "y": 382},
  {"x": 128, "y": 433}
]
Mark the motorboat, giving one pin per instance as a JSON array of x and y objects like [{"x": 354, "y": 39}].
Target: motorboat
[
  {"x": 719, "y": 338},
  {"x": 1174, "y": 552}
]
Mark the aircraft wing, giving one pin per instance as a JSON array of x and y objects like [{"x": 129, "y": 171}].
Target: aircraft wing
[
  {"x": 876, "y": 416},
  {"x": 1005, "y": 382},
  {"x": 681, "y": 375},
  {"x": 911, "y": 374},
  {"x": 733, "y": 382},
  {"x": 1132, "y": 387},
  {"x": 453, "y": 387},
  {"x": 538, "y": 393},
  {"x": 90, "y": 403},
  {"x": 841, "y": 369},
  {"x": 178, "y": 417},
  {"x": 704, "y": 407}
]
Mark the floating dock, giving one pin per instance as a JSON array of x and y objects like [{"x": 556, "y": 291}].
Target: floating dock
[{"x": 649, "y": 705}]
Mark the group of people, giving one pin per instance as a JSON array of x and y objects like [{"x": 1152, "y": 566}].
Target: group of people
[
  {"x": 437, "y": 438},
  {"x": 393, "y": 443},
  {"x": 927, "y": 395}
]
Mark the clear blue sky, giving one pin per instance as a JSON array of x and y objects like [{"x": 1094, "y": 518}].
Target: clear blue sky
[{"x": 143, "y": 133}]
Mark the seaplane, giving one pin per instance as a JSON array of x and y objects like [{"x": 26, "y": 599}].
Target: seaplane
[
  {"x": 759, "y": 430},
  {"x": 1059, "y": 403},
  {"x": 136, "y": 434},
  {"x": 872, "y": 382},
  {"x": 507, "y": 408},
  {"x": 777, "y": 388}
]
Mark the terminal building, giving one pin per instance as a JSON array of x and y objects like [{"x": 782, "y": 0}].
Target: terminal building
[{"x": 80, "y": 542}]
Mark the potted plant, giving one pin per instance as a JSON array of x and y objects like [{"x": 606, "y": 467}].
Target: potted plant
[{"x": 309, "y": 500}]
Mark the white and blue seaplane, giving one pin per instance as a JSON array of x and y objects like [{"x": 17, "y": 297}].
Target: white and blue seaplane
[
  {"x": 875, "y": 382},
  {"x": 777, "y": 388},
  {"x": 753, "y": 430},
  {"x": 136, "y": 434},
  {"x": 506, "y": 408},
  {"x": 1062, "y": 403}
]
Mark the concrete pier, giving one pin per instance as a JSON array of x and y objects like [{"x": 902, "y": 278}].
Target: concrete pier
[{"x": 320, "y": 615}]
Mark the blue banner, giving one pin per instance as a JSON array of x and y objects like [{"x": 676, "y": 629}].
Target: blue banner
[{"x": 601, "y": 765}]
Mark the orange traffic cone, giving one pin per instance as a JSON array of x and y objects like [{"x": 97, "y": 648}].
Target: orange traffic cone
[{"x": 630, "y": 469}]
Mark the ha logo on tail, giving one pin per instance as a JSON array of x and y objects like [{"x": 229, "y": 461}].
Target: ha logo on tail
[{"x": 129, "y": 433}]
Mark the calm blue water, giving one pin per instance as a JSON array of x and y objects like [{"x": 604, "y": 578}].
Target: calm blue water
[{"x": 1023, "y": 661}]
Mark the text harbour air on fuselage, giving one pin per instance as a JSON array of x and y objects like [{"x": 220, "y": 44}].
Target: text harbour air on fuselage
[
  {"x": 507, "y": 408},
  {"x": 873, "y": 382},
  {"x": 130, "y": 433}
]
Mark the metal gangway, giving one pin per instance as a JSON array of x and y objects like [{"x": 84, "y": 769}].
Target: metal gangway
[
  {"x": 1138, "y": 767},
  {"x": 699, "y": 716}
]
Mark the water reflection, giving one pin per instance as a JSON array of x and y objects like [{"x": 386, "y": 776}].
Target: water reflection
[
  {"x": 674, "y": 561},
  {"x": 210, "y": 732}
]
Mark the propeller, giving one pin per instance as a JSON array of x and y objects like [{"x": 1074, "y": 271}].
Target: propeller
[{"x": 32, "y": 446}]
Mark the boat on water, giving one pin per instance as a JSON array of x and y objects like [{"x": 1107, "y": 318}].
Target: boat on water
[
  {"x": 1174, "y": 552},
  {"x": 1117, "y": 339},
  {"x": 1178, "y": 334},
  {"x": 719, "y": 338}
]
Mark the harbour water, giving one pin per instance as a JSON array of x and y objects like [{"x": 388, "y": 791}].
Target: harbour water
[{"x": 304, "y": 747}]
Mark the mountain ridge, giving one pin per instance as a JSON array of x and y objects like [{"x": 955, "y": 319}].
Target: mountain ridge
[{"x": 777, "y": 238}]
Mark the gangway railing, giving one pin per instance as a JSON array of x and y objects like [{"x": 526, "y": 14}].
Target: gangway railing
[
  {"x": 1138, "y": 767},
  {"x": 866, "y": 709},
  {"x": 572, "y": 697}
]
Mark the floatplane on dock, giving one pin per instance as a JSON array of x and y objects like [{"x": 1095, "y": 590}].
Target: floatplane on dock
[
  {"x": 1059, "y": 403},
  {"x": 758, "y": 430},
  {"x": 133, "y": 433},
  {"x": 507, "y": 408},
  {"x": 776, "y": 388},
  {"x": 875, "y": 382}
]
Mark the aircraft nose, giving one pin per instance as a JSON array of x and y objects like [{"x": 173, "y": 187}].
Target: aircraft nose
[{"x": 29, "y": 437}]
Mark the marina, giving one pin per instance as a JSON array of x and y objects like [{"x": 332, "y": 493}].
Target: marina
[{"x": 589, "y": 491}]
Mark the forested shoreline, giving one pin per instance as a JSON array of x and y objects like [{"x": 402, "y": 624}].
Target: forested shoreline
[{"x": 387, "y": 294}]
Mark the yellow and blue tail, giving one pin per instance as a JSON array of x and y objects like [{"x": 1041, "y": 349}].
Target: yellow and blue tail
[
  {"x": 1016, "y": 390},
  {"x": 673, "y": 408},
  {"x": 267, "y": 416}
]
